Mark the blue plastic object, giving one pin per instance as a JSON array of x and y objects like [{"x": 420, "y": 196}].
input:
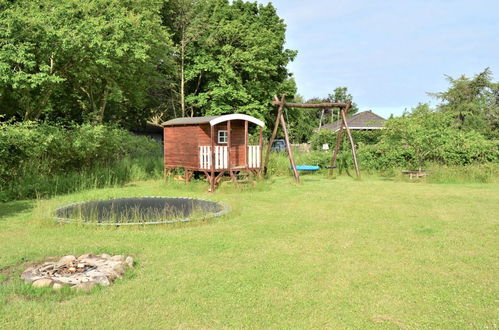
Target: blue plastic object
[{"x": 306, "y": 167}]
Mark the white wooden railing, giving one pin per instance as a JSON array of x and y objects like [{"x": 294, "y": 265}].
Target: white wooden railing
[
  {"x": 221, "y": 157},
  {"x": 254, "y": 160},
  {"x": 204, "y": 157}
]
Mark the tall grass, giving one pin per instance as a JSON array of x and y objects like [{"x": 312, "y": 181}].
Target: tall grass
[
  {"x": 133, "y": 168},
  {"x": 279, "y": 165},
  {"x": 116, "y": 173},
  {"x": 483, "y": 173},
  {"x": 42, "y": 159}
]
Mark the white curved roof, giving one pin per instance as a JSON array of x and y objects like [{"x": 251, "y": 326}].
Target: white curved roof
[
  {"x": 212, "y": 120},
  {"x": 236, "y": 116}
]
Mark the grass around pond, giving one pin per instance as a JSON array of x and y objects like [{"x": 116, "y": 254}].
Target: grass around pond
[{"x": 327, "y": 253}]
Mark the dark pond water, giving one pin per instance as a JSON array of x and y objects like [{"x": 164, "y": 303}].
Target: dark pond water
[{"x": 140, "y": 210}]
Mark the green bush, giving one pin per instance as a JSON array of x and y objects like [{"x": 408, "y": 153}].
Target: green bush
[
  {"x": 360, "y": 138},
  {"x": 39, "y": 158},
  {"x": 321, "y": 137},
  {"x": 383, "y": 156},
  {"x": 466, "y": 148},
  {"x": 412, "y": 141},
  {"x": 428, "y": 138}
]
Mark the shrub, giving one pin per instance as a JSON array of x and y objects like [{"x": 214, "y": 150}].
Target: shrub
[
  {"x": 383, "y": 156},
  {"x": 321, "y": 137},
  {"x": 33, "y": 154},
  {"x": 360, "y": 138}
]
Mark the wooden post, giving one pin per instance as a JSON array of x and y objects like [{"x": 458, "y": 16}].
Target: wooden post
[
  {"x": 354, "y": 154},
  {"x": 228, "y": 151},
  {"x": 228, "y": 145},
  {"x": 246, "y": 144},
  {"x": 188, "y": 175},
  {"x": 290, "y": 152},
  {"x": 274, "y": 132},
  {"x": 338, "y": 142},
  {"x": 260, "y": 143},
  {"x": 212, "y": 178},
  {"x": 336, "y": 148}
]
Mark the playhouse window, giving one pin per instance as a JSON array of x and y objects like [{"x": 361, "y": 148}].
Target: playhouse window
[{"x": 222, "y": 136}]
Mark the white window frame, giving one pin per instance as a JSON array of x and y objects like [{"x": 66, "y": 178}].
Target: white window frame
[{"x": 223, "y": 138}]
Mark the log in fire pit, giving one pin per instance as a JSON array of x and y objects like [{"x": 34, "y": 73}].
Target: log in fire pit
[{"x": 81, "y": 273}]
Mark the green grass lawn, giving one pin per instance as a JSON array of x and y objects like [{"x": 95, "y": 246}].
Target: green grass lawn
[{"x": 327, "y": 253}]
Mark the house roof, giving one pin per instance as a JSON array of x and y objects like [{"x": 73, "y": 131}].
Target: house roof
[
  {"x": 148, "y": 128},
  {"x": 212, "y": 120},
  {"x": 189, "y": 121},
  {"x": 359, "y": 121}
]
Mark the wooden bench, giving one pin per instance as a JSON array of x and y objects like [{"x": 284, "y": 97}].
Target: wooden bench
[{"x": 414, "y": 174}]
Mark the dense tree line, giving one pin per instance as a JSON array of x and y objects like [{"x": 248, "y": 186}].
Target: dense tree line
[
  {"x": 71, "y": 63},
  {"x": 130, "y": 61}
]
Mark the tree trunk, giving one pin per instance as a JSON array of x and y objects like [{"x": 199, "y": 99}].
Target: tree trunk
[
  {"x": 182, "y": 73},
  {"x": 102, "y": 107}
]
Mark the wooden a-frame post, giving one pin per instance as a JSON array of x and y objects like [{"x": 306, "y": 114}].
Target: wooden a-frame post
[
  {"x": 274, "y": 132},
  {"x": 350, "y": 137},
  {"x": 344, "y": 126},
  {"x": 280, "y": 120}
]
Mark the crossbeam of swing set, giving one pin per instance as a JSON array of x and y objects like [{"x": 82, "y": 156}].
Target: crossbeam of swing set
[
  {"x": 312, "y": 105},
  {"x": 343, "y": 109}
]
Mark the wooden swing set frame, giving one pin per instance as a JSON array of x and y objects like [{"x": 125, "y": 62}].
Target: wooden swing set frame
[{"x": 343, "y": 109}]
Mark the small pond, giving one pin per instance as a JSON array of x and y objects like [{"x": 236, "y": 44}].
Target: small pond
[{"x": 140, "y": 211}]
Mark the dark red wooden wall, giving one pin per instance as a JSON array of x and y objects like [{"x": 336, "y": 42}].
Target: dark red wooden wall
[{"x": 181, "y": 143}]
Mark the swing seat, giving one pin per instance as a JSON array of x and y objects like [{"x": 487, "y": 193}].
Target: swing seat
[{"x": 306, "y": 167}]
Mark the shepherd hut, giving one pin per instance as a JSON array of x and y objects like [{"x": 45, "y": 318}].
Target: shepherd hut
[{"x": 213, "y": 145}]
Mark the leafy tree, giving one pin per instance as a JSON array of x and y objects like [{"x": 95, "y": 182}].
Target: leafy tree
[
  {"x": 420, "y": 133},
  {"x": 25, "y": 82},
  {"x": 473, "y": 102},
  {"x": 94, "y": 60},
  {"x": 329, "y": 115},
  {"x": 177, "y": 16},
  {"x": 237, "y": 61},
  {"x": 341, "y": 95},
  {"x": 424, "y": 136},
  {"x": 301, "y": 121}
]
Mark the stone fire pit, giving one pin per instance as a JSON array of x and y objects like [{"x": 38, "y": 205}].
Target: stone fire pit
[{"x": 80, "y": 273}]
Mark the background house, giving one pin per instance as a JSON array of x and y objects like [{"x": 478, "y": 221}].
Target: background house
[{"x": 365, "y": 120}]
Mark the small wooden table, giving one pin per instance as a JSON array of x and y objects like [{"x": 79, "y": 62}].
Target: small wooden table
[{"x": 414, "y": 174}]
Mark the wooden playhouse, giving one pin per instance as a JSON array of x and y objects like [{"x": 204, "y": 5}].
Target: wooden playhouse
[{"x": 213, "y": 145}]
